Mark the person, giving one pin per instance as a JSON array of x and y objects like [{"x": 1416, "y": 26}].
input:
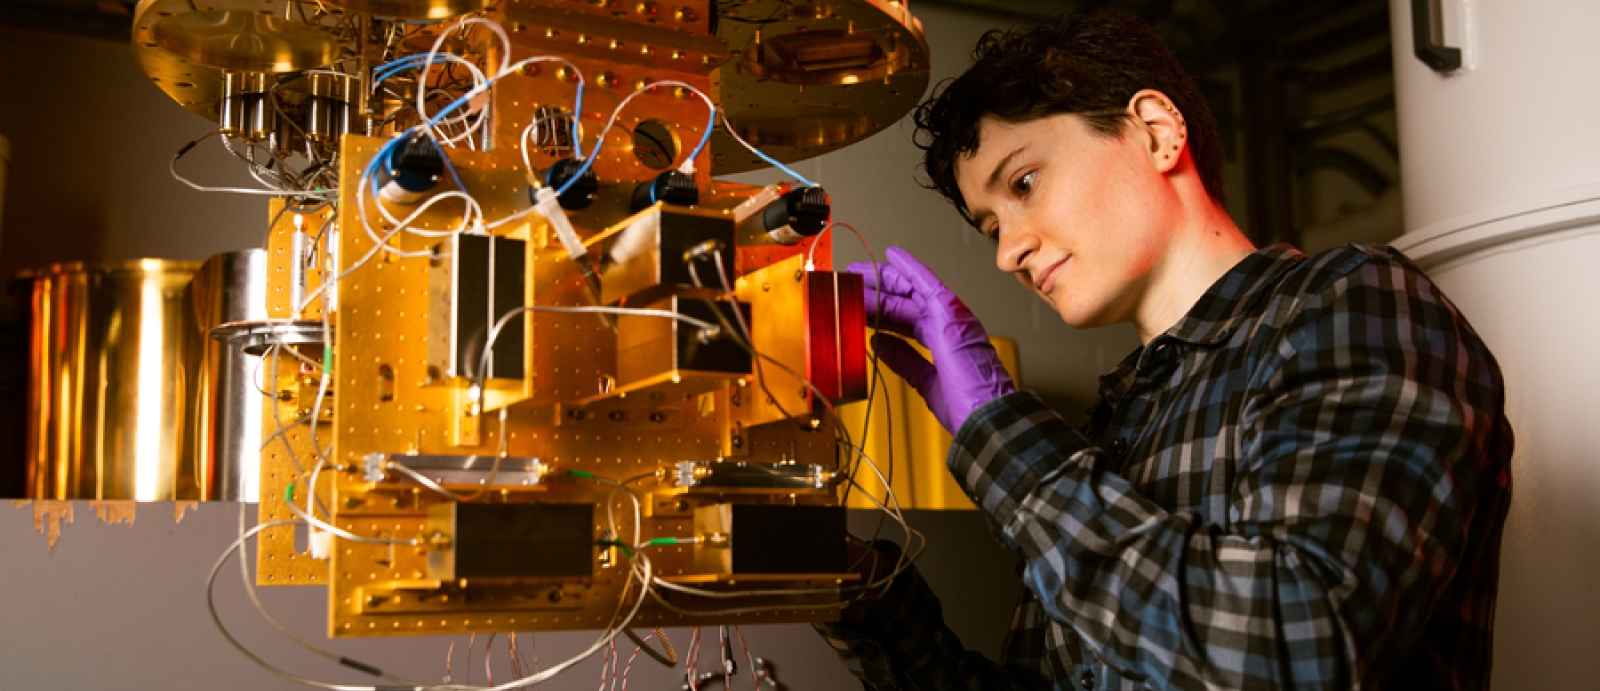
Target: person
[{"x": 1298, "y": 480}]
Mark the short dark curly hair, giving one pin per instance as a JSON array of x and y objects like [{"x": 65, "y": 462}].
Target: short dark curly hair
[{"x": 1088, "y": 63}]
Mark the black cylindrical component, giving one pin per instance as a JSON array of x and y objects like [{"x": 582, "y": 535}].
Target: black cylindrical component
[
  {"x": 581, "y": 194},
  {"x": 800, "y": 214},
  {"x": 411, "y": 170},
  {"x": 671, "y": 187}
]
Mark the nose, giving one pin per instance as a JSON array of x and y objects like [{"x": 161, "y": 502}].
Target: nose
[{"x": 1016, "y": 245}]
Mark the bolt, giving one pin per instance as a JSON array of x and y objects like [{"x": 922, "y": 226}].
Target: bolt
[
  {"x": 617, "y": 416},
  {"x": 658, "y": 418},
  {"x": 555, "y": 596}
]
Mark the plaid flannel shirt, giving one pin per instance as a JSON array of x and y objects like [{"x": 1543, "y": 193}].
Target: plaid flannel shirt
[{"x": 1300, "y": 485}]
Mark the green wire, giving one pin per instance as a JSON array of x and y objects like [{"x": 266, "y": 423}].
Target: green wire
[
  {"x": 580, "y": 473},
  {"x": 288, "y": 493},
  {"x": 619, "y": 545}
]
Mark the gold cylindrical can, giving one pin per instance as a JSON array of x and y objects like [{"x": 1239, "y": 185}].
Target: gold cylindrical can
[{"x": 107, "y": 385}]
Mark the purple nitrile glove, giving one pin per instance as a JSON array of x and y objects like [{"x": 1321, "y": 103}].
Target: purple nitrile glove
[{"x": 966, "y": 372}]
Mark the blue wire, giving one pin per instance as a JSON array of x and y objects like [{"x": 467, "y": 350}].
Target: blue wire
[
  {"x": 577, "y": 115},
  {"x": 783, "y": 167},
  {"x": 711, "y": 122},
  {"x": 389, "y": 69},
  {"x": 383, "y": 155},
  {"x": 587, "y": 163},
  {"x": 393, "y": 67}
]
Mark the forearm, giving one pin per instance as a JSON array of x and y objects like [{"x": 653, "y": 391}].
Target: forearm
[{"x": 1291, "y": 592}]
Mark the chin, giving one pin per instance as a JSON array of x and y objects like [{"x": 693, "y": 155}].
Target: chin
[{"x": 1081, "y": 314}]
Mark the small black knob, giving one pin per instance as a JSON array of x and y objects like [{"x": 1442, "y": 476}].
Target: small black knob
[
  {"x": 411, "y": 169},
  {"x": 800, "y": 214},
  {"x": 581, "y": 194},
  {"x": 671, "y": 187}
]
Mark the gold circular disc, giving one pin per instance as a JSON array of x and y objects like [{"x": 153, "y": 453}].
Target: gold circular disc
[
  {"x": 413, "y": 9},
  {"x": 804, "y": 79}
]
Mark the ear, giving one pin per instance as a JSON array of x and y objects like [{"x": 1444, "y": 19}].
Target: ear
[{"x": 1166, "y": 134}]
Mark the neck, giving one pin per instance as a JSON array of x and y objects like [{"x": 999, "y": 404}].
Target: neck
[{"x": 1205, "y": 245}]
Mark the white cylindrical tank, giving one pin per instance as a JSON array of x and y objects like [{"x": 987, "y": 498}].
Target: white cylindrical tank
[{"x": 1501, "y": 179}]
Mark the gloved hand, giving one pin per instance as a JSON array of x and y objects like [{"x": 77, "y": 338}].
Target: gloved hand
[{"x": 965, "y": 372}]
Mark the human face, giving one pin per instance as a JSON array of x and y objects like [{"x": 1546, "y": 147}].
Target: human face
[{"x": 1078, "y": 217}]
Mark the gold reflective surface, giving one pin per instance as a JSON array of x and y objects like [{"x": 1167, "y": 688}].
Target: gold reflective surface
[
  {"x": 816, "y": 78},
  {"x": 108, "y": 381},
  {"x": 188, "y": 49},
  {"x": 803, "y": 79},
  {"x": 220, "y": 457},
  {"x": 413, "y": 9},
  {"x": 240, "y": 40},
  {"x": 919, "y": 443}
]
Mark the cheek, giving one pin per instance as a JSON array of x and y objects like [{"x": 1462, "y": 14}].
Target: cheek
[{"x": 1026, "y": 284}]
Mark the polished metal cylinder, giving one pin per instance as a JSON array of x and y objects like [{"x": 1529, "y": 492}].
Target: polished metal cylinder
[
  {"x": 244, "y": 111},
  {"x": 106, "y": 387},
  {"x": 221, "y": 456},
  {"x": 327, "y": 107},
  {"x": 260, "y": 118}
]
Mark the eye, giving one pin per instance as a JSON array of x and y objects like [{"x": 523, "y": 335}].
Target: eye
[
  {"x": 1023, "y": 185},
  {"x": 990, "y": 230}
]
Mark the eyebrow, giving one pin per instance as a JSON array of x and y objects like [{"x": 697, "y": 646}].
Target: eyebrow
[{"x": 994, "y": 177}]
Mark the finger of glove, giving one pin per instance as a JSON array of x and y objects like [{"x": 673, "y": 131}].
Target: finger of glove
[
  {"x": 900, "y": 307},
  {"x": 921, "y": 277},
  {"x": 945, "y": 312},
  {"x": 898, "y": 314},
  {"x": 882, "y": 277},
  {"x": 905, "y": 361}
]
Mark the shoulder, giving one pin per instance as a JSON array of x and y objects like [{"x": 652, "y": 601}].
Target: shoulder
[{"x": 1352, "y": 266}]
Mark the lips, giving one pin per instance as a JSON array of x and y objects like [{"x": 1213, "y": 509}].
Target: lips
[{"x": 1047, "y": 278}]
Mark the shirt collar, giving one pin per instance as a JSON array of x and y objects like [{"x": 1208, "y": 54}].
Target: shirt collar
[
  {"x": 1213, "y": 319},
  {"x": 1227, "y": 302}
]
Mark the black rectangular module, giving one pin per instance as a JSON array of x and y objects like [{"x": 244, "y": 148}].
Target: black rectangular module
[
  {"x": 650, "y": 256},
  {"x": 538, "y": 540},
  {"x": 486, "y": 278},
  {"x": 683, "y": 232},
  {"x": 788, "y": 539},
  {"x": 721, "y": 354}
]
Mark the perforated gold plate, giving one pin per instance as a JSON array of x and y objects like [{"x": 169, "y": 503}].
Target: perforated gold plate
[
  {"x": 287, "y": 457},
  {"x": 390, "y": 403}
]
